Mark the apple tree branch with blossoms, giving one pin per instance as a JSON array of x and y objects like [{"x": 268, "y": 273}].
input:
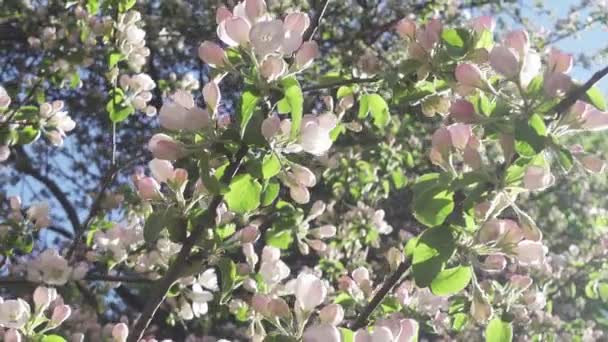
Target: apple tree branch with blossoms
[{"x": 261, "y": 213}]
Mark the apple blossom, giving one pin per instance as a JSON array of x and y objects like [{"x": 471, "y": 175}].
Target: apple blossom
[
  {"x": 469, "y": 75},
  {"x": 12, "y": 335},
  {"x": 406, "y": 28},
  {"x": 148, "y": 189},
  {"x": 538, "y": 178},
  {"x": 273, "y": 67},
  {"x": 309, "y": 291},
  {"x": 306, "y": 54},
  {"x": 182, "y": 114},
  {"x": 212, "y": 54},
  {"x": 315, "y": 133},
  {"x": 321, "y": 333},
  {"x": 530, "y": 253},
  {"x": 164, "y": 147},
  {"x": 43, "y": 296},
  {"x": 50, "y": 268},
  {"x": 5, "y": 100},
  {"x": 212, "y": 96},
  {"x": 332, "y": 314},
  {"x": 60, "y": 314},
  {"x": 505, "y": 61},
  {"x": 14, "y": 313},
  {"x": 120, "y": 332},
  {"x": 519, "y": 41}
]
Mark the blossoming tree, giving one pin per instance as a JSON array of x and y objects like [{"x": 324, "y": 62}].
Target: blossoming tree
[{"x": 292, "y": 192}]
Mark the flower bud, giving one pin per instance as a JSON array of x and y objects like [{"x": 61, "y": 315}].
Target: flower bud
[
  {"x": 460, "y": 134},
  {"x": 530, "y": 253},
  {"x": 317, "y": 245},
  {"x": 212, "y": 54},
  {"x": 593, "y": 164},
  {"x": 469, "y": 75},
  {"x": 595, "y": 120},
  {"x": 259, "y": 303},
  {"x": 249, "y": 234},
  {"x": 120, "y": 332},
  {"x": 504, "y": 61},
  {"x": 299, "y": 194},
  {"x": 297, "y": 22},
  {"x": 538, "y": 178},
  {"x": 60, "y": 314},
  {"x": 12, "y": 335},
  {"x": 212, "y": 95},
  {"x": 394, "y": 257},
  {"x": 163, "y": 146},
  {"x": 162, "y": 170},
  {"x": 406, "y": 28},
  {"x": 521, "y": 282},
  {"x": 306, "y": 54},
  {"x": 332, "y": 314},
  {"x": 325, "y": 231},
  {"x": 43, "y": 296},
  {"x": 482, "y": 23},
  {"x": 519, "y": 41},
  {"x": 494, "y": 263},
  {"x": 255, "y": 9},
  {"x": 271, "y": 126},
  {"x": 277, "y": 307},
  {"x": 481, "y": 310},
  {"x": 273, "y": 67},
  {"x": 234, "y": 31},
  {"x": 559, "y": 61},
  {"x": 463, "y": 111},
  {"x": 222, "y": 13},
  {"x": 148, "y": 189},
  {"x": 303, "y": 175}
]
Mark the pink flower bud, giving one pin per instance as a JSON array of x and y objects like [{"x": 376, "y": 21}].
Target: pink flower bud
[
  {"x": 270, "y": 253},
  {"x": 277, "y": 307},
  {"x": 482, "y": 23},
  {"x": 255, "y": 9},
  {"x": 406, "y": 28},
  {"x": 15, "y": 203},
  {"x": 593, "y": 164},
  {"x": 519, "y": 41},
  {"x": 273, "y": 67},
  {"x": 306, "y": 54},
  {"x": 299, "y": 194},
  {"x": 148, "y": 189},
  {"x": 297, "y": 22},
  {"x": 504, "y": 61},
  {"x": 530, "y": 253},
  {"x": 212, "y": 54},
  {"x": 221, "y": 14},
  {"x": 491, "y": 231},
  {"x": 212, "y": 95},
  {"x": 60, "y": 314},
  {"x": 317, "y": 245},
  {"x": 234, "y": 31},
  {"x": 303, "y": 175},
  {"x": 460, "y": 135},
  {"x": 441, "y": 140},
  {"x": 360, "y": 275},
  {"x": 469, "y": 75},
  {"x": 332, "y": 314},
  {"x": 595, "y": 120},
  {"x": 512, "y": 232},
  {"x": 271, "y": 126},
  {"x": 162, "y": 170},
  {"x": 481, "y": 311},
  {"x": 463, "y": 111},
  {"x": 179, "y": 177},
  {"x": 559, "y": 61},
  {"x": 249, "y": 234},
  {"x": 120, "y": 332},
  {"x": 556, "y": 84},
  {"x": 538, "y": 178},
  {"x": 325, "y": 231},
  {"x": 12, "y": 335},
  {"x": 324, "y": 333},
  {"x": 259, "y": 303},
  {"x": 43, "y": 296},
  {"x": 163, "y": 146}
]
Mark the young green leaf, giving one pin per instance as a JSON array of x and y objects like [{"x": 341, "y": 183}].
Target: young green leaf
[
  {"x": 451, "y": 280},
  {"x": 499, "y": 331},
  {"x": 243, "y": 194}
]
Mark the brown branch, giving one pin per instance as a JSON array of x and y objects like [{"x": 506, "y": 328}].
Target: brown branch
[
  {"x": 162, "y": 286},
  {"x": 577, "y": 93},
  {"x": 92, "y": 277},
  {"x": 379, "y": 296}
]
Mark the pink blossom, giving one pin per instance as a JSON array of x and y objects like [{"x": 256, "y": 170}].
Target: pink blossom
[
  {"x": 530, "y": 253},
  {"x": 504, "y": 61},
  {"x": 60, "y": 314},
  {"x": 148, "y": 189},
  {"x": 267, "y": 36},
  {"x": 482, "y": 23},
  {"x": 163, "y": 146},
  {"x": 463, "y": 111},
  {"x": 538, "y": 178},
  {"x": 273, "y": 67},
  {"x": 306, "y": 54},
  {"x": 406, "y": 28},
  {"x": 332, "y": 314},
  {"x": 559, "y": 61},
  {"x": 297, "y": 22},
  {"x": 212, "y": 95},
  {"x": 120, "y": 332},
  {"x": 321, "y": 333},
  {"x": 162, "y": 170},
  {"x": 43, "y": 296},
  {"x": 234, "y": 31},
  {"x": 12, "y": 335},
  {"x": 519, "y": 41},
  {"x": 309, "y": 291},
  {"x": 469, "y": 75},
  {"x": 212, "y": 54}
]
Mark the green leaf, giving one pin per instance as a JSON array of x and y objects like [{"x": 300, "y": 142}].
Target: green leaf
[
  {"x": 602, "y": 290},
  {"x": 271, "y": 166},
  {"x": 283, "y": 106},
  {"x": 347, "y": 335},
  {"x": 243, "y": 194},
  {"x": 530, "y": 136},
  {"x": 433, "y": 248},
  {"x": 249, "y": 102},
  {"x": 92, "y": 6},
  {"x": 281, "y": 239},
  {"x": 116, "y": 108},
  {"x": 595, "y": 97},
  {"x": 114, "y": 58},
  {"x": 28, "y": 134},
  {"x": 159, "y": 220},
  {"x": 125, "y": 5},
  {"x": 460, "y": 321},
  {"x": 499, "y": 331},
  {"x": 452, "y": 38},
  {"x": 363, "y": 106},
  {"x": 564, "y": 158},
  {"x": 228, "y": 274},
  {"x": 399, "y": 179},
  {"x": 344, "y": 91},
  {"x": 433, "y": 200},
  {"x": 270, "y": 193},
  {"x": 53, "y": 338},
  {"x": 379, "y": 110},
  {"x": 295, "y": 98},
  {"x": 451, "y": 280},
  {"x": 225, "y": 231}
]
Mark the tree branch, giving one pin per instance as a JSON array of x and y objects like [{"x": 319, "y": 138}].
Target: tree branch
[
  {"x": 92, "y": 277},
  {"x": 577, "y": 93},
  {"x": 159, "y": 291},
  {"x": 379, "y": 296},
  {"x": 332, "y": 85}
]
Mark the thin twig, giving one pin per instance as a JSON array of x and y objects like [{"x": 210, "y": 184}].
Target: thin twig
[
  {"x": 379, "y": 296},
  {"x": 319, "y": 19},
  {"x": 162, "y": 286}
]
